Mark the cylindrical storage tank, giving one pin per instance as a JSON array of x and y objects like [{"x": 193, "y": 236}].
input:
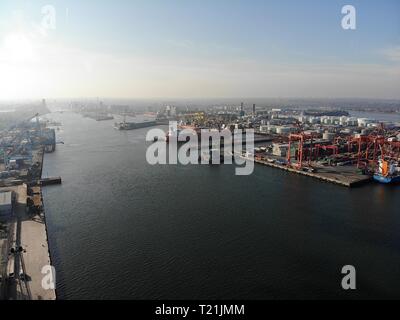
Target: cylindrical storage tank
[
  {"x": 362, "y": 122},
  {"x": 343, "y": 121}
]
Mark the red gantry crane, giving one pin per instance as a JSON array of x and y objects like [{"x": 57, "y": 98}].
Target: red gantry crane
[{"x": 301, "y": 151}]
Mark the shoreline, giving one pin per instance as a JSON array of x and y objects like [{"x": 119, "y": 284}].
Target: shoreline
[
  {"x": 30, "y": 243},
  {"x": 46, "y": 227}
]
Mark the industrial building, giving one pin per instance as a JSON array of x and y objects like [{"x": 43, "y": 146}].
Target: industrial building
[{"x": 280, "y": 149}]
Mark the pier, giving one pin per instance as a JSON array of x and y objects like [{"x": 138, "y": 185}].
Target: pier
[
  {"x": 28, "y": 250},
  {"x": 343, "y": 176}
]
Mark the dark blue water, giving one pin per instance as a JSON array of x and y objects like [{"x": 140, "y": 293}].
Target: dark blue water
[{"x": 122, "y": 229}]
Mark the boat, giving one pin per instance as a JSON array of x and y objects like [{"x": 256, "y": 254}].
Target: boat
[
  {"x": 387, "y": 180},
  {"x": 134, "y": 125},
  {"x": 388, "y": 172},
  {"x": 103, "y": 117},
  {"x": 50, "y": 181}
]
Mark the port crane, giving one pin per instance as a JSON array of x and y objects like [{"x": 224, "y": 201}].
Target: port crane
[
  {"x": 299, "y": 140},
  {"x": 375, "y": 146}
]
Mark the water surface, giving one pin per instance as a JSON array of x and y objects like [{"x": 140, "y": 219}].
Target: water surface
[{"x": 122, "y": 229}]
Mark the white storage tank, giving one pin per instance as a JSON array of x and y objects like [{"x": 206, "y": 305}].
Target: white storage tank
[
  {"x": 343, "y": 121},
  {"x": 363, "y": 122}
]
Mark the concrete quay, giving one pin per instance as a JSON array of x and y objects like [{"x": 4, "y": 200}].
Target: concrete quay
[
  {"x": 28, "y": 239},
  {"x": 343, "y": 176}
]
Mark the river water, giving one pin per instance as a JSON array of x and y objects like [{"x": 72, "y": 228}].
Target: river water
[{"x": 120, "y": 228}]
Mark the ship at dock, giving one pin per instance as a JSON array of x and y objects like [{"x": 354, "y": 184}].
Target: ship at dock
[
  {"x": 388, "y": 172},
  {"x": 124, "y": 125}
]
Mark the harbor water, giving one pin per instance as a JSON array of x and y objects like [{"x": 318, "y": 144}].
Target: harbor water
[{"x": 120, "y": 228}]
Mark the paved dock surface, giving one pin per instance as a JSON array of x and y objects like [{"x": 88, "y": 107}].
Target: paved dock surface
[
  {"x": 344, "y": 175},
  {"x": 29, "y": 233}
]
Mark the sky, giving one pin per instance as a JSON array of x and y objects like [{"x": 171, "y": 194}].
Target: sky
[{"x": 198, "y": 49}]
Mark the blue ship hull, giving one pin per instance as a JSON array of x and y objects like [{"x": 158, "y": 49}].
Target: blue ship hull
[{"x": 386, "y": 180}]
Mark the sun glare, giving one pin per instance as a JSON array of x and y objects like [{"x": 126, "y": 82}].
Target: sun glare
[{"x": 17, "y": 47}]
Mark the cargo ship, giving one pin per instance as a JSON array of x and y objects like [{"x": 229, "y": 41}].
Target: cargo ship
[
  {"x": 103, "y": 117},
  {"x": 388, "y": 172},
  {"x": 134, "y": 125}
]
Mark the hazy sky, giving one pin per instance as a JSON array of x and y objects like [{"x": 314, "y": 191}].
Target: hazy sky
[{"x": 190, "y": 48}]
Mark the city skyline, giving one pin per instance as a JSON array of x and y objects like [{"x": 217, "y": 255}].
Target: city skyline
[{"x": 176, "y": 49}]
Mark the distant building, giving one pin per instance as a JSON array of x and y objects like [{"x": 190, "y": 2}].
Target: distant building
[
  {"x": 364, "y": 122},
  {"x": 5, "y": 204},
  {"x": 285, "y": 129},
  {"x": 242, "y": 109}
]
